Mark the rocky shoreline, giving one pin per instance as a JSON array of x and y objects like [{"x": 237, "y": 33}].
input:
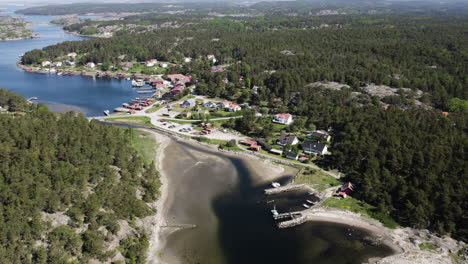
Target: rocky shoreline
[{"x": 86, "y": 73}]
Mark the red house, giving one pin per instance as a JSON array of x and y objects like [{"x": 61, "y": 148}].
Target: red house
[{"x": 345, "y": 189}]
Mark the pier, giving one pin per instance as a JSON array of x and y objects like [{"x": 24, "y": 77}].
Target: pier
[{"x": 292, "y": 215}]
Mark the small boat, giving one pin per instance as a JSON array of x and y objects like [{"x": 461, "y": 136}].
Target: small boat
[
  {"x": 274, "y": 212},
  {"x": 107, "y": 112},
  {"x": 309, "y": 201},
  {"x": 306, "y": 205},
  {"x": 59, "y": 73},
  {"x": 137, "y": 83},
  {"x": 275, "y": 184},
  {"x": 143, "y": 92}
]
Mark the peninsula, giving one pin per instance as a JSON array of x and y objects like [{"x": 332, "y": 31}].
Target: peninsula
[{"x": 12, "y": 28}]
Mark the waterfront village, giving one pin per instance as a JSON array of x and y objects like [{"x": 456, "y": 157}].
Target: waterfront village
[{"x": 169, "y": 103}]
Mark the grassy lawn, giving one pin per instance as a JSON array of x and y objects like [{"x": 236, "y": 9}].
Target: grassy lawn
[
  {"x": 145, "y": 144},
  {"x": 135, "y": 120},
  {"x": 181, "y": 121},
  {"x": 427, "y": 246},
  {"x": 154, "y": 108},
  {"x": 361, "y": 207},
  {"x": 212, "y": 141},
  {"x": 319, "y": 179}
]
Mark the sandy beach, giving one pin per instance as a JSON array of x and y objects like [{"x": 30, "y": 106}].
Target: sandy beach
[
  {"x": 400, "y": 240},
  {"x": 153, "y": 224}
]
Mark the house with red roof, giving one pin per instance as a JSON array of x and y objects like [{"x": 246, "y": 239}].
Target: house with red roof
[
  {"x": 345, "y": 189},
  {"x": 284, "y": 118}
]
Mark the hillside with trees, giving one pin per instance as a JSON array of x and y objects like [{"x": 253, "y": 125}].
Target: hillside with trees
[
  {"x": 70, "y": 189},
  {"x": 282, "y": 54},
  {"x": 405, "y": 155}
]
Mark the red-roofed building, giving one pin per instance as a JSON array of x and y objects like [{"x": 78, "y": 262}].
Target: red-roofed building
[
  {"x": 284, "y": 119},
  {"x": 179, "y": 78},
  {"x": 248, "y": 142},
  {"x": 345, "y": 189}
]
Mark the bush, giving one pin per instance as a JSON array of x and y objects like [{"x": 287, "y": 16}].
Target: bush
[{"x": 231, "y": 143}]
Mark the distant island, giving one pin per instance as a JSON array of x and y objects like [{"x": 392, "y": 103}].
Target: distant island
[{"x": 12, "y": 28}]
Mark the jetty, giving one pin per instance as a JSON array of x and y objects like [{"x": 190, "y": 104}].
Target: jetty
[
  {"x": 179, "y": 226},
  {"x": 292, "y": 215},
  {"x": 294, "y": 222}
]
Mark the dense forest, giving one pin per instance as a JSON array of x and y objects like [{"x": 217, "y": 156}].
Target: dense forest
[
  {"x": 68, "y": 186},
  {"x": 421, "y": 54}
]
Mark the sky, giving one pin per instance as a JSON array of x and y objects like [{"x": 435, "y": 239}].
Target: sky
[{"x": 45, "y": 2}]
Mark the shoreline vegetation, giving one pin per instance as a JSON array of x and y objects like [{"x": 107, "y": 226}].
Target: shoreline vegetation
[{"x": 84, "y": 192}]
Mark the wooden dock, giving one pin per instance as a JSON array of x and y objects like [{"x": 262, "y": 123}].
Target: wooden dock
[{"x": 292, "y": 215}]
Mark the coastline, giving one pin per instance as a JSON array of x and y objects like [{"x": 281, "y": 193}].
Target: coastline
[
  {"x": 153, "y": 224},
  {"x": 403, "y": 241},
  {"x": 94, "y": 73}
]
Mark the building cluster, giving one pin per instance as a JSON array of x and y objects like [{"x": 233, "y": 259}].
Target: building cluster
[
  {"x": 315, "y": 144},
  {"x": 179, "y": 82}
]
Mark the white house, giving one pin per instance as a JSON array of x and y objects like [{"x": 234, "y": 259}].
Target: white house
[
  {"x": 187, "y": 59},
  {"x": 151, "y": 63},
  {"x": 284, "y": 119},
  {"x": 211, "y": 58},
  {"x": 45, "y": 63},
  {"x": 57, "y": 64},
  {"x": 229, "y": 106},
  {"x": 234, "y": 108},
  {"x": 90, "y": 65},
  {"x": 69, "y": 63},
  {"x": 72, "y": 54},
  {"x": 163, "y": 65}
]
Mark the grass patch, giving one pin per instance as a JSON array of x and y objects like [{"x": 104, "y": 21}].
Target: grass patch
[
  {"x": 361, "y": 207},
  {"x": 320, "y": 179},
  {"x": 181, "y": 121},
  {"x": 218, "y": 142},
  {"x": 154, "y": 108},
  {"x": 134, "y": 120},
  {"x": 145, "y": 144},
  {"x": 427, "y": 246}
]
